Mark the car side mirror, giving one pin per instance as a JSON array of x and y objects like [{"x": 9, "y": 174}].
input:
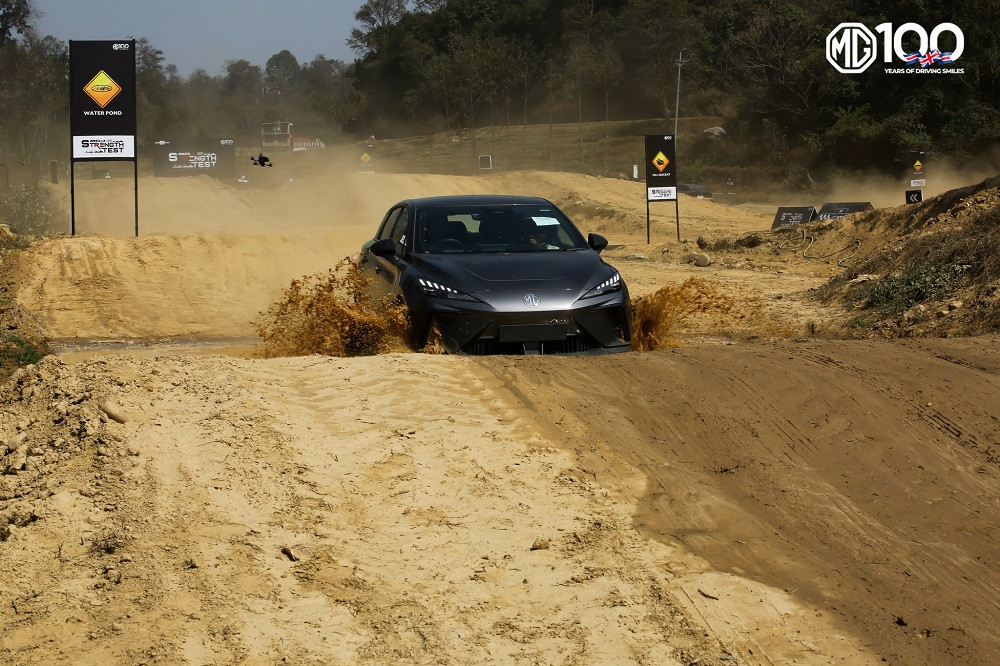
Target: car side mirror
[
  {"x": 597, "y": 241},
  {"x": 384, "y": 247}
]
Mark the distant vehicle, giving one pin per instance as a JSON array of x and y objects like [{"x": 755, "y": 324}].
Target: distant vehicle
[
  {"x": 699, "y": 191},
  {"x": 498, "y": 275},
  {"x": 262, "y": 160}
]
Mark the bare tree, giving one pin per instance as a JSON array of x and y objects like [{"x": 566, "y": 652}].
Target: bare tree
[
  {"x": 607, "y": 73},
  {"x": 578, "y": 63}
]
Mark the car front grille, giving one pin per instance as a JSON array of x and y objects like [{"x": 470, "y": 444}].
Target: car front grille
[{"x": 576, "y": 344}]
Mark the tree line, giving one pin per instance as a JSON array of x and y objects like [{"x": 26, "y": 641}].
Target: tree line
[
  {"x": 319, "y": 95},
  {"x": 436, "y": 65},
  {"x": 760, "y": 65}
]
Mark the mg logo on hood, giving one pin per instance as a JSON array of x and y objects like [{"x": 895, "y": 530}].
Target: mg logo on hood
[{"x": 532, "y": 301}]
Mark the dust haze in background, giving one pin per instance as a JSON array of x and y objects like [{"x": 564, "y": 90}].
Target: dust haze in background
[{"x": 884, "y": 191}]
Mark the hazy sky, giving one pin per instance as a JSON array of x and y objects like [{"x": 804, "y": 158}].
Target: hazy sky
[{"x": 207, "y": 33}]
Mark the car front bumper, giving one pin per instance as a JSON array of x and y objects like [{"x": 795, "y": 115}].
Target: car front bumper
[{"x": 598, "y": 325}]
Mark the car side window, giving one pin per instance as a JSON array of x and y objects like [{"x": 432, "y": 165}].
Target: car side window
[
  {"x": 399, "y": 230},
  {"x": 389, "y": 225}
]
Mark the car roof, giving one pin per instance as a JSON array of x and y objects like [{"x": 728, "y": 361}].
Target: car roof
[{"x": 475, "y": 200}]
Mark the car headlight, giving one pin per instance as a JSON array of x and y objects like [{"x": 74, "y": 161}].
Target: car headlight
[
  {"x": 438, "y": 290},
  {"x": 612, "y": 284}
]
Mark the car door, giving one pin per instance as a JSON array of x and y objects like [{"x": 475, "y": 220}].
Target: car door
[{"x": 385, "y": 270}]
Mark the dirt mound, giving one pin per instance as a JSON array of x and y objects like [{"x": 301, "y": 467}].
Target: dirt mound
[
  {"x": 929, "y": 269},
  {"x": 396, "y": 509},
  {"x": 210, "y": 257},
  {"x": 21, "y": 340},
  {"x": 51, "y": 414}
]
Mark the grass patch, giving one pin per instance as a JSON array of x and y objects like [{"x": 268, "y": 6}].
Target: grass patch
[
  {"x": 17, "y": 350},
  {"x": 918, "y": 284},
  {"x": 108, "y": 544}
]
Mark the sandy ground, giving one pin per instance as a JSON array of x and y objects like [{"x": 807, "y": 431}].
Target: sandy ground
[{"x": 755, "y": 496}]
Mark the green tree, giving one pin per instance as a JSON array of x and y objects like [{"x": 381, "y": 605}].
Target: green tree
[
  {"x": 281, "y": 71},
  {"x": 33, "y": 97},
  {"x": 15, "y": 16},
  {"x": 377, "y": 17}
]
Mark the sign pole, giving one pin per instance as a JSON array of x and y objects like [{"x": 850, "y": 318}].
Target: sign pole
[
  {"x": 647, "y": 220},
  {"x": 135, "y": 186},
  {"x": 677, "y": 116},
  {"x": 135, "y": 132},
  {"x": 72, "y": 197},
  {"x": 677, "y": 215}
]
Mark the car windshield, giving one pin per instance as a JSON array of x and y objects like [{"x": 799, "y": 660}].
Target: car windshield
[{"x": 478, "y": 229}]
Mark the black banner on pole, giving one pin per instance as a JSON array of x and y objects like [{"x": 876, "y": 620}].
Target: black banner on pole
[
  {"x": 366, "y": 157},
  {"x": 661, "y": 168},
  {"x": 661, "y": 175},
  {"x": 102, "y": 110},
  {"x": 193, "y": 157},
  {"x": 102, "y": 99},
  {"x": 918, "y": 164}
]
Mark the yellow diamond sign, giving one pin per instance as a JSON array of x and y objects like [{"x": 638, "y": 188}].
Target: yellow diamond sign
[
  {"x": 917, "y": 165},
  {"x": 660, "y": 161},
  {"x": 102, "y": 89}
]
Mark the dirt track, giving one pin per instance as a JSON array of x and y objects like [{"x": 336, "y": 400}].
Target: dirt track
[{"x": 760, "y": 502}]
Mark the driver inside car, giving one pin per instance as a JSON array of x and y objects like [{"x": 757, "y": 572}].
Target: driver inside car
[
  {"x": 539, "y": 238},
  {"x": 439, "y": 234}
]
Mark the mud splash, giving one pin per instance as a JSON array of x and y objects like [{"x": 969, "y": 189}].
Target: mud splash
[
  {"x": 332, "y": 313},
  {"x": 657, "y": 318}
]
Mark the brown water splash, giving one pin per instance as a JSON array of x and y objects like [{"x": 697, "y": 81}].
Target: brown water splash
[
  {"x": 657, "y": 317},
  {"x": 332, "y": 313}
]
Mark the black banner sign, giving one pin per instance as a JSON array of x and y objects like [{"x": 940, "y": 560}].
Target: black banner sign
[
  {"x": 789, "y": 216},
  {"x": 193, "y": 157},
  {"x": 918, "y": 164},
  {"x": 102, "y": 99},
  {"x": 366, "y": 157},
  {"x": 914, "y": 196},
  {"x": 831, "y": 211},
  {"x": 661, "y": 168}
]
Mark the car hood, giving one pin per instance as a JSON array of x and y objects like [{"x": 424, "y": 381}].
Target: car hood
[{"x": 577, "y": 270}]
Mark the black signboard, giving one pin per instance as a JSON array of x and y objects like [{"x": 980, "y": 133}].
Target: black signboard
[
  {"x": 366, "y": 161},
  {"x": 914, "y": 196},
  {"x": 102, "y": 99},
  {"x": 194, "y": 157},
  {"x": 831, "y": 211},
  {"x": 661, "y": 168},
  {"x": 789, "y": 216},
  {"x": 918, "y": 164}
]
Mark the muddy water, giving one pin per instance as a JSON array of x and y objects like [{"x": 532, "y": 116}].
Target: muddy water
[
  {"x": 331, "y": 313},
  {"x": 657, "y": 316},
  {"x": 334, "y": 314}
]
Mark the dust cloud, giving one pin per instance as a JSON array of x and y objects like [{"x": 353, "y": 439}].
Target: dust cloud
[
  {"x": 886, "y": 191},
  {"x": 333, "y": 314}
]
